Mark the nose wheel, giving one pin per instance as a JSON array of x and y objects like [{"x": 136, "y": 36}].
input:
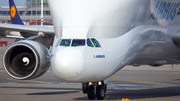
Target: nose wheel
[
  {"x": 100, "y": 92},
  {"x": 91, "y": 92},
  {"x": 95, "y": 90}
]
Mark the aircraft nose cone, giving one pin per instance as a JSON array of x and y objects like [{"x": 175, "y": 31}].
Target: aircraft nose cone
[{"x": 68, "y": 63}]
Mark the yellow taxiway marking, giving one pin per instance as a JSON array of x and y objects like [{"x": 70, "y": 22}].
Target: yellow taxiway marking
[
  {"x": 160, "y": 58},
  {"x": 164, "y": 84},
  {"x": 148, "y": 82},
  {"x": 168, "y": 84},
  {"x": 32, "y": 81}
]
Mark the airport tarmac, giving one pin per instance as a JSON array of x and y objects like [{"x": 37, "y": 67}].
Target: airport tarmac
[{"x": 142, "y": 83}]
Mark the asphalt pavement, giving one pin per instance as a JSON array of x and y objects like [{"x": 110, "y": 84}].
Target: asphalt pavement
[{"x": 142, "y": 83}]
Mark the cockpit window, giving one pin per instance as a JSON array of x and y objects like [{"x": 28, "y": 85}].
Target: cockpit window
[
  {"x": 78, "y": 42},
  {"x": 65, "y": 42},
  {"x": 95, "y": 42},
  {"x": 89, "y": 43}
]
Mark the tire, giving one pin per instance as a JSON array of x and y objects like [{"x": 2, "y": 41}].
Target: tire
[
  {"x": 84, "y": 87},
  {"x": 90, "y": 93},
  {"x": 100, "y": 92}
]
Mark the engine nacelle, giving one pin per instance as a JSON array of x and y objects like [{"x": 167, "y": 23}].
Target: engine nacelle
[
  {"x": 26, "y": 60},
  {"x": 158, "y": 63}
]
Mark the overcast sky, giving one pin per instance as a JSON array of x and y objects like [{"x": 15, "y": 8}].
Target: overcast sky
[{"x": 17, "y": 2}]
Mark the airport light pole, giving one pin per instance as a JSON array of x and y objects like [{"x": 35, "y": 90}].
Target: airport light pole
[
  {"x": 36, "y": 12},
  {"x": 41, "y": 12},
  {"x": 31, "y": 10}
]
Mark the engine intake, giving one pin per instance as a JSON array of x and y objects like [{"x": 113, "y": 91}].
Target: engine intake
[{"x": 26, "y": 60}]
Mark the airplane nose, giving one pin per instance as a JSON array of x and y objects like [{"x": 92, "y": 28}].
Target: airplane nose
[{"x": 68, "y": 63}]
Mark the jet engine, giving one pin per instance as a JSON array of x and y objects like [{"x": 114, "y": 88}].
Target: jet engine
[{"x": 26, "y": 60}]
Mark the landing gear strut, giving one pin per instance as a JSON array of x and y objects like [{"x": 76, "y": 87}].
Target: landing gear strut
[{"x": 95, "y": 90}]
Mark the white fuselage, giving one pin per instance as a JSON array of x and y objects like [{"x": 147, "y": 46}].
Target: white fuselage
[{"x": 124, "y": 29}]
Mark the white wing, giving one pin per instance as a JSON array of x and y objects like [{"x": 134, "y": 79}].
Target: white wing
[{"x": 27, "y": 31}]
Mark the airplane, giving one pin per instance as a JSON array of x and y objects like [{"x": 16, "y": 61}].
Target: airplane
[
  {"x": 14, "y": 34},
  {"x": 14, "y": 20},
  {"x": 93, "y": 39}
]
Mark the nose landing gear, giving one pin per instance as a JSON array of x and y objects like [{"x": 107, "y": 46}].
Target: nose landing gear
[{"x": 95, "y": 89}]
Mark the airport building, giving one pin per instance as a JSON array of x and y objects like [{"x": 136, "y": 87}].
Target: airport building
[
  {"x": 35, "y": 3},
  {"x": 30, "y": 13}
]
